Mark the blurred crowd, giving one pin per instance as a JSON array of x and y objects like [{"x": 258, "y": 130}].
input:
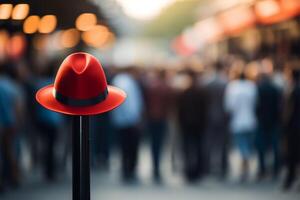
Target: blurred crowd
[{"x": 200, "y": 110}]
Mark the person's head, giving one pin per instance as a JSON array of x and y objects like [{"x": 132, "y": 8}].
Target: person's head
[
  {"x": 1, "y": 66},
  {"x": 267, "y": 67},
  {"x": 219, "y": 66},
  {"x": 130, "y": 69},
  {"x": 9, "y": 68},
  {"x": 236, "y": 70},
  {"x": 296, "y": 75},
  {"x": 193, "y": 76},
  {"x": 251, "y": 70},
  {"x": 292, "y": 70},
  {"x": 162, "y": 73},
  {"x": 242, "y": 75}
]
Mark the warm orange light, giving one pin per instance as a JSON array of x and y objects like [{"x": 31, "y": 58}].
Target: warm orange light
[
  {"x": 16, "y": 46},
  {"x": 291, "y": 5},
  {"x": 96, "y": 36},
  {"x": 271, "y": 11},
  {"x": 47, "y": 24},
  {"x": 40, "y": 41},
  {"x": 69, "y": 38},
  {"x": 266, "y": 8},
  {"x": 4, "y": 38},
  {"x": 5, "y": 10},
  {"x": 237, "y": 19},
  {"x": 111, "y": 39},
  {"x": 109, "y": 42},
  {"x": 20, "y": 11},
  {"x": 31, "y": 24},
  {"x": 144, "y": 10},
  {"x": 86, "y": 21}
]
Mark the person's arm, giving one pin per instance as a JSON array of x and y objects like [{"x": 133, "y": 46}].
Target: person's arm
[
  {"x": 228, "y": 99},
  {"x": 19, "y": 108},
  {"x": 256, "y": 100}
]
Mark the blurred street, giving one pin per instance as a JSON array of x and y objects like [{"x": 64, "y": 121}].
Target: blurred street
[
  {"x": 159, "y": 99},
  {"x": 108, "y": 186}
]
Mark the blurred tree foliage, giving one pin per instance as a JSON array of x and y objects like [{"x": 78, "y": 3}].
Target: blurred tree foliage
[{"x": 173, "y": 19}]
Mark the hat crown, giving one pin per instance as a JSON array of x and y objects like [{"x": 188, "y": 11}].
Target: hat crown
[{"x": 80, "y": 76}]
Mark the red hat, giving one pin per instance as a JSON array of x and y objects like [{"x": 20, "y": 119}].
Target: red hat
[{"x": 80, "y": 88}]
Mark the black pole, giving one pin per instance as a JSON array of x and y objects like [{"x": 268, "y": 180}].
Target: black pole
[{"x": 81, "y": 158}]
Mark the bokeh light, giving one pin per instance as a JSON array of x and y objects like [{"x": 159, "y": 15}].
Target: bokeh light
[
  {"x": 97, "y": 36},
  {"x": 20, "y": 11},
  {"x": 47, "y": 24},
  {"x": 5, "y": 11},
  {"x": 31, "y": 24},
  {"x": 16, "y": 46},
  {"x": 86, "y": 21},
  {"x": 232, "y": 26},
  {"x": 69, "y": 38},
  {"x": 267, "y": 8},
  {"x": 143, "y": 10}
]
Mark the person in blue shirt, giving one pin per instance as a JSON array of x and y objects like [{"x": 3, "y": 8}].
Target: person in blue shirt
[
  {"x": 10, "y": 108},
  {"x": 48, "y": 124},
  {"x": 126, "y": 120}
]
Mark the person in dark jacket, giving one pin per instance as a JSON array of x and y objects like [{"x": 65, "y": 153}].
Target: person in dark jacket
[
  {"x": 293, "y": 130},
  {"x": 217, "y": 133},
  {"x": 269, "y": 109},
  {"x": 157, "y": 105},
  {"x": 192, "y": 108}
]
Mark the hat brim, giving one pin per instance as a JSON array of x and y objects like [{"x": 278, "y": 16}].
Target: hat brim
[{"x": 114, "y": 98}]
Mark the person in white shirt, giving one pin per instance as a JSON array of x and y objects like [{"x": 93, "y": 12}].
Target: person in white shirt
[{"x": 240, "y": 103}]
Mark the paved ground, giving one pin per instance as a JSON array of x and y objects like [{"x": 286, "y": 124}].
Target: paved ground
[{"x": 107, "y": 186}]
